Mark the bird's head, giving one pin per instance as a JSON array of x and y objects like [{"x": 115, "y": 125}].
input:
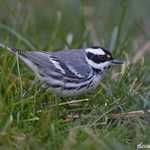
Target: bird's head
[{"x": 99, "y": 58}]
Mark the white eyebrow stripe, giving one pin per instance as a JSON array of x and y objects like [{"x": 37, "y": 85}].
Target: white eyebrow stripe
[{"x": 97, "y": 51}]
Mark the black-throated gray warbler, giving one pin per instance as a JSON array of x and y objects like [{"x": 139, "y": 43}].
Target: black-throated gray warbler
[{"x": 68, "y": 72}]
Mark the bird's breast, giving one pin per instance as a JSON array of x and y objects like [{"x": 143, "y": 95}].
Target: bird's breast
[{"x": 96, "y": 80}]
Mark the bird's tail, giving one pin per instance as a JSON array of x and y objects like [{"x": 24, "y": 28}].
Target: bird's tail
[
  {"x": 13, "y": 50},
  {"x": 22, "y": 56}
]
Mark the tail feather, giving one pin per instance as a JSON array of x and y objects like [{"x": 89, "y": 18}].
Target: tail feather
[
  {"x": 21, "y": 55},
  {"x": 13, "y": 50}
]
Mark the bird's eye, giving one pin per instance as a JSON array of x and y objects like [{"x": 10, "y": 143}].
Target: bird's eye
[{"x": 108, "y": 56}]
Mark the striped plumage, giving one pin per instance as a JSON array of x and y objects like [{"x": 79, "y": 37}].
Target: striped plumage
[{"x": 68, "y": 72}]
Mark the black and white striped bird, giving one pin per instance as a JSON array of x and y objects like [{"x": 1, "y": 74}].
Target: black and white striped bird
[{"x": 68, "y": 72}]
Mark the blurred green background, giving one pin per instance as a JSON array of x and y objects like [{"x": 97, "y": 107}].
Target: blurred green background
[
  {"x": 46, "y": 23},
  {"x": 123, "y": 27}
]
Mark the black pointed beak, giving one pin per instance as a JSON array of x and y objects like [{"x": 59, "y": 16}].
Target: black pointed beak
[{"x": 115, "y": 61}]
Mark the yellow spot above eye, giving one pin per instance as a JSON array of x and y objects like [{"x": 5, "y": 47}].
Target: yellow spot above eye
[{"x": 108, "y": 56}]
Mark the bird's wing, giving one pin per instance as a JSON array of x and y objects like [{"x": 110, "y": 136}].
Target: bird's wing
[
  {"x": 74, "y": 62},
  {"x": 71, "y": 64}
]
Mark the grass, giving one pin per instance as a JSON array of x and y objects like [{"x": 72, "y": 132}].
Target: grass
[{"x": 31, "y": 118}]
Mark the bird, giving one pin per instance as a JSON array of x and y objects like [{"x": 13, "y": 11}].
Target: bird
[{"x": 70, "y": 72}]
